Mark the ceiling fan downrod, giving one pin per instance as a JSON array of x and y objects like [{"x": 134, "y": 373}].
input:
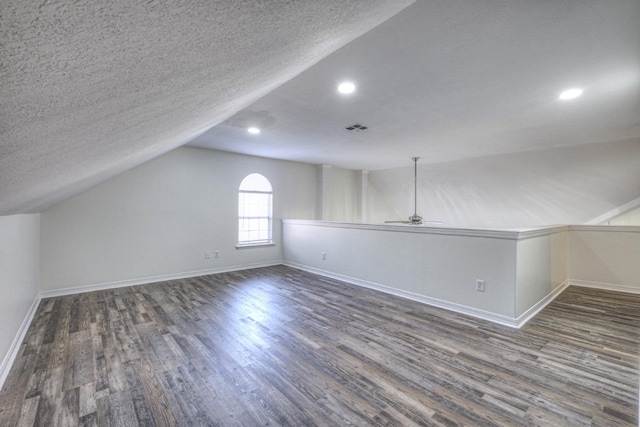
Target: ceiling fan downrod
[{"x": 415, "y": 218}]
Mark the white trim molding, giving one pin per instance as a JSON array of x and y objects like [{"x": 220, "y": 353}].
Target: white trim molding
[
  {"x": 615, "y": 212},
  {"x": 458, "y": 308},
  {"x": 151, "y": 279},
  {"x": 606, "y": 228},
  {"x": 254, "y": 245},
  {"x": 537, "y": 307},
  {"x": 11, "y": 355},
  {"x": 513, "y": 234},
  {"x": 630, "y": 289}
]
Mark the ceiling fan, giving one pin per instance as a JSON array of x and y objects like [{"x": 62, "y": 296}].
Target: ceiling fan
[{"x": 414, "y": 219}]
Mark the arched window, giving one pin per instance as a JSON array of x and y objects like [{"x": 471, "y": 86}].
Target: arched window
[{"x": 255, "y": 210}]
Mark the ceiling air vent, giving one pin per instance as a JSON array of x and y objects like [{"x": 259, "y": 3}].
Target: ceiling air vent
[{"x": 356, "y": 128}]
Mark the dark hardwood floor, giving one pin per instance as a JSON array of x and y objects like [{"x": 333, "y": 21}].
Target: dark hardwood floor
[{"x": 279, "y": 346}]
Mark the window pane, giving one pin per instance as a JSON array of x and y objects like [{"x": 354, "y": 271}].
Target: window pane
[
  {"x": 254, "y": 205},
  {"x": 254, "y": 210},
  {"x": 259, "y": 210},
  {"x": 243, "y": 236},
  {"x": 255, "y": 182}
]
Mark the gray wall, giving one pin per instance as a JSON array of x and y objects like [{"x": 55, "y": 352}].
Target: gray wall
[
  {"x": 19, "y": 259},
  {"x": 605, "y": 257},
  {"x": 159, "y": 218}
]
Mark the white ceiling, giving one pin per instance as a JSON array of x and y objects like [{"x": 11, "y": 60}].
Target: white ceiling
[
  {"x": 449, "y": 80},
  {"x": 90, "y": 89}
]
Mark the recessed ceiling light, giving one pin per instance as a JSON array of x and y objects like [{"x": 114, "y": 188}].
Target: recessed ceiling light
[
  {"x": 346, "y": 87},
  {"x": 253, "y": 130},
  {"x": 570, "y": 94}
]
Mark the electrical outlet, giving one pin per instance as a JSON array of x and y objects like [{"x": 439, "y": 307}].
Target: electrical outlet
[
  {"x": 207, "y": 254},
  {"x": 216, "y": 254},
  {"x": 324, "y": 255},
  {"x": 479, "y": 285}
]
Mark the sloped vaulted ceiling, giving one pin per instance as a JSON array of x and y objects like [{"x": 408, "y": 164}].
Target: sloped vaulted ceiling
[
  {"x": 92, "y": 88},
  {"x": 471, "y": 87},
  {"x": 449, "y": 80}
]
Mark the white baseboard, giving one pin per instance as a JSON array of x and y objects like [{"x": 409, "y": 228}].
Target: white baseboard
[
  {"x": 151, "y": 279},
  {"x": 537, "y": 307},
  {"x": 458, "y": 308},
  {"x": 606, "y": 286},
  {"x": 10, "y": 357}
]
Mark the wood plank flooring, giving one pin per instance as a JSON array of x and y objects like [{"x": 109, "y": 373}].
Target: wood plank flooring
[{"x": 279, "y": 346}]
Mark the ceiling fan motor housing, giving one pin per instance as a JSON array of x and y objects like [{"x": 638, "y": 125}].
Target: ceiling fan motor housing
[{"x": 415, "y": 219}]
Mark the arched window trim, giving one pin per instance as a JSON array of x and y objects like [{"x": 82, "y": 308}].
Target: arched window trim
[{"x": 255, "y": 211}]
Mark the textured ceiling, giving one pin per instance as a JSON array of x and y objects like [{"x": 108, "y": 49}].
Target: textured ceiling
[
  {"x": 449, "y": 80},
  {"x": 90, "y": 88}
]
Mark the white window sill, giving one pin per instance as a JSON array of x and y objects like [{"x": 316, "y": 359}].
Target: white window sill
[{"x": 253, "y": 245}]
